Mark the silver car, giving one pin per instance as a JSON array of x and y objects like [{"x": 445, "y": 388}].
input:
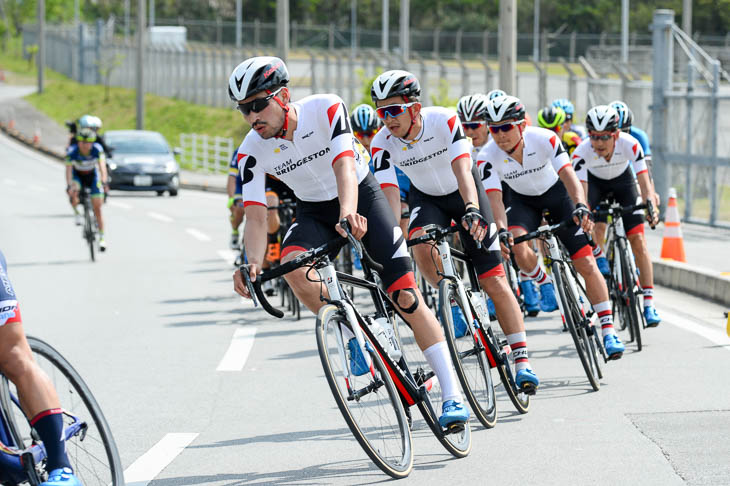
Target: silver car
[{"x": 142, "y": 161}]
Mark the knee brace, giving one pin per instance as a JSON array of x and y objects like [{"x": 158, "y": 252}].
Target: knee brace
[{"x": 412, "y": 308}]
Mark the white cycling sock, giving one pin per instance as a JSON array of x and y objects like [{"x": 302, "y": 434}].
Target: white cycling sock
[
  {"x": 605, "y": 317},
  {"x": 538, "y": 275},
  {"x": 648, "y": 296},
  {"x": 598, "y": 252},
  {"x": 438, "y": 358},
  {"x": 518, "y": 343}
]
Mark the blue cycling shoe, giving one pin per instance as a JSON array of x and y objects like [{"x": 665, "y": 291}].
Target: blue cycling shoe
[
  {"x": 547, "y": 297},
  {"x": 603, "y": 266},
  {"x": 453, "y": 414},
  {"x": 651, "y": 316},
  {"x": 614, "y": 347},
  {"x": 527, "y": 381},
  {"x": 532, "y": 301},
  {"x": 492, "y": 311},
  {"x": 62, "y": 477},
  {"x": 459, "y": 321},
  {"x": 358, "y": 363}
]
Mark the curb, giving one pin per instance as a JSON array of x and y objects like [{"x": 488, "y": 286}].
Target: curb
[
  {"x": 16, "y": 135},
  {"x": 706, "y": 284}
]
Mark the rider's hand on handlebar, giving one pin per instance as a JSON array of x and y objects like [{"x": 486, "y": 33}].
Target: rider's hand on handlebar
[
  {"x": 582, "y": 217},
  {"x": 358, "y": 225},
  {"x": 239, "y": 284},
  {"x": 505, "y": 242},
  {"x": 474, "y": 222},
  {"x": 653, "y": 216}
]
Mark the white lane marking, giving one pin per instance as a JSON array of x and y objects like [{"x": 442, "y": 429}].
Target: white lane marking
[
  {"x": 11, "y": 182},
  {"x": 152, "y": 462},
  {"x": 717, "y": 337},
  {"x": 197, "y": 234},
  {"x": 118, "y": 204},
  {"x": 160, "y": 217},
  {"x": 237, "y": 353},
  {"x": 228, "y": 256},
  {"x": 205, "y": 194},
  {"x": 38, "y": 188}
]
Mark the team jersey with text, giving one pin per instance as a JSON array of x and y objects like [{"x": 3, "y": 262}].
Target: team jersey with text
[
  {"x": 543, "y": 157},
  {"x": 84, "y": 163},
  {"x": 627, "y": 151},
  {"x": 427, "y": 160},
  {"x": 323, "y": 136}
]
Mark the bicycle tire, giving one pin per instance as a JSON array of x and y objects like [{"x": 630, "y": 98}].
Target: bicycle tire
[
  {"x": 459, "y": 444},
  {"x": 633, "y": 303},
  {"x": 86, "y": 451},
  {"x": 505, "y": 366},
  {"x": 469, "y": 358},
  {"x": 89, "y": 230},
  {"x": 399, "y": 465},
  {"x": 570, "y": 312}
]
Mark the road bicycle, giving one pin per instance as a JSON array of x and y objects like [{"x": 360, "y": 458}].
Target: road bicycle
[
  {"x": 623, "y": 281},
  {"x": 575, "y": 309},
  {"x": 89, "y": 442},
  {"x": 475, "y": 350},
  {"x": 90, "y": 228},
  {"x": 375, "y": 403}
]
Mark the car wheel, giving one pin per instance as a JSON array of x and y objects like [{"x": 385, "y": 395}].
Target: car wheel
[
  {"x": 160, "y": 193},
  {"x": 173, "y": 192}
]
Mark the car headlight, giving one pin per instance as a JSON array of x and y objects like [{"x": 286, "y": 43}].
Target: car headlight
[
  {"x": 171, "y": 166},
  {"x": 112, "y": 165}
]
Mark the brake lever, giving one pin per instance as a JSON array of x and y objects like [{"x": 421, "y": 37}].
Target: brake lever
[{"x": 249, "y": 285}]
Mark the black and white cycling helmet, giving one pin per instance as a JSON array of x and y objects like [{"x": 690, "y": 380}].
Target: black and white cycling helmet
[
  {"x": 395, "y": 83},
  {"x": 495, "y": 93},
  {"x": 472, "y": 108},
  {"x": 602, "y": 118},
  {"x": 255, "y": 75},
  {"x": 504, "y": 108},
  {"x": 625, "y": 115},
  {"x": 364, "y": 119}
]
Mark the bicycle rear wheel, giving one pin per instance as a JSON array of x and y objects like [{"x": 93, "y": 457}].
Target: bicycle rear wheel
[
  {"x": 572, "y": 315},
  {"x": 633, "y": 304},
  {"x": 458, "y": 444},
  {"x": 470, "y": 361},
  {"x": 92, "y": 452},
  {"x": 369, "y": 403}
]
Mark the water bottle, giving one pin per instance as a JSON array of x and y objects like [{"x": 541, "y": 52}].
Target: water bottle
[
  {"x": 394, "y": 349},
  {"x": 480, "y": 305}
]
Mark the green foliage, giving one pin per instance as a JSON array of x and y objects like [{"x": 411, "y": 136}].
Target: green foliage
[
  {"x": 366, "y": 85},
  {"x": 30, "y": 51},
  {"x": 441, "y": 98}
]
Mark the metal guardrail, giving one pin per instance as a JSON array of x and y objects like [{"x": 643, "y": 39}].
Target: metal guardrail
[{"x": 206, "y": 153}]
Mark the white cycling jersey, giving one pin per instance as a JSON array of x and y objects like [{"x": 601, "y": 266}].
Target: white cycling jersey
[
  {"x": 323, "y": 135},
  {"x": 627, "y": 151},
  {"x": 475, "y": 151},
  {"x": 427, "y": 160},
  {"x": 543, "y": 157}
]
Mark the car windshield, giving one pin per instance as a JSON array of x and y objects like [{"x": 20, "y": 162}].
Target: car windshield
[{"x": 139, "y": 145}]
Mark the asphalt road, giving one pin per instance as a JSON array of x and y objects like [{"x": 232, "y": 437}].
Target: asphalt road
[{"x": 148, "y": 326}]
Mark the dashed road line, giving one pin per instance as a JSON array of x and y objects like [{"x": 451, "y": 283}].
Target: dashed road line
[
  {"x": 152, "y": 462},
  {"x": 716, "y": 336},
  {"x": 199, "y": 235},
  {"x": 118, "y": 204},
  {"x": 241, "y": 344},
  {"x": 228, "y": 256},
  {"x": 160, "y": 217}
]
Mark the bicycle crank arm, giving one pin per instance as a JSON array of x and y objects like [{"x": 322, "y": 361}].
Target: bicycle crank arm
[{"x": 358, "y": 394}]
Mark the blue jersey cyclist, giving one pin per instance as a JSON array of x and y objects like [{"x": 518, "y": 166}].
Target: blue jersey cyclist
[
  {"x": 38, "y": 398},
  {"x": 235, "y": 200},
  {"x": 86, "y": 167},
  {"x": 567, "y": 106},
  {"x": 309, "y": 145}
]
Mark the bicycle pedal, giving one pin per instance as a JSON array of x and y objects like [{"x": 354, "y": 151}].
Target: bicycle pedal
[
  {"x": 528, "y": 389},
  {"x": 615, "y": 356},
  {"x": 456, "y": 428}
]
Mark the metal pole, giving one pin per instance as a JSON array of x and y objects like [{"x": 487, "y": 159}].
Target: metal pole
[
  {"x": 239, "y": 18},
  {"x": 282, "y": 28},
  {"x": 140, "y": 61},
  {"x": 687, "y": 17},
  {"x": 385, "y": 25},
  {"x": 689, "y": 182},
  {"x": 126, "y": 21},
  {"x": 536, "y": 32},
  {"x": 152, "y": 13},
  {"x": 624, "y": 31},
  {"x": 77, "y": 16},
  {"x": 353, "y": 28},
  {"x": 714, "y": 121},
  {"x": 405, "y": 7},
  {"x": 41, "y": 59},
  {"x": 507, "y": 45}
]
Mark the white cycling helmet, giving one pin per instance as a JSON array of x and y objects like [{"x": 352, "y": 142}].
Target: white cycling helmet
[
  {"x": 472, "y": 108},
  {"x": 86, "y": 121},
  {"x": 255, "y": 75},
  {"x": 602, "y": 118},
  {"x": 95, "y": 123},
  {"x": 395, "y": 83},
  {"x": 505, "y": 108},
  {"x": 496, "y": 93}
]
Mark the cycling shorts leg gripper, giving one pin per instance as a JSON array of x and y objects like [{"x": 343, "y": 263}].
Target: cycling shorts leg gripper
[{"x": 413, "y": 307}]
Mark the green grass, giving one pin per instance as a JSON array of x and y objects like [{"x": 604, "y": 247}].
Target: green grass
[{"x": 64, "y": 99}]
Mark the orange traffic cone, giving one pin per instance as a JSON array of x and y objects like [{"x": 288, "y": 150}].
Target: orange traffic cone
[
  {"x": 37, "y": 136},
  {"x": 673, "y": 244}
]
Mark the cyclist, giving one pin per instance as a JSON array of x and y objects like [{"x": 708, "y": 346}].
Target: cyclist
[
  {"x": 235, "y": 200},
  {"x": 553, "y": 118},
  {"x": 38, "y": 398},
  {"x": 88, "y": 121},
  {"x": 429, "y": 145},
  {"x": 310, "y": 146},
  {"x": 604, "y": 165},
  {"x": 569, "y": 109},
  {"x": 533, "y": 162},
  {"x": 86, "y": 167}
]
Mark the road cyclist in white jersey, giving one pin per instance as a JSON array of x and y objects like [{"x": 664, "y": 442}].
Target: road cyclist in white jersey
[
  {"x": 309, "y": 146},
  {"x": 429, "y": 146},
  {"x": 606, "y": 163},
  {"x": 533, "y": 162}
]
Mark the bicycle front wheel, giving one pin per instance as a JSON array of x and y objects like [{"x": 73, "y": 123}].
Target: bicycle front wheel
[
  {"x": 573, "y": 316},
  {"x": 92, "y": 451},
  {"x": 468, "y": 355},
  {"x": 89, "y": 231},
  {"x": 369, "y": 403}
]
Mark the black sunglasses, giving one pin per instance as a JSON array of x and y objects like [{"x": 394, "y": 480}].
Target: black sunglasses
[
  {"x": 601, "y": 137},
  {"x": 257, "y": 105}
]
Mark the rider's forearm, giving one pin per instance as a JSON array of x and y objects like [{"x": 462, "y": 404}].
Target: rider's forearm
[
  {"x": 392, "y": 194},
  {"x": 231, "y": 186},
  {"x": 467, "y": 188},
  {"x": 254, "y": 234},
  {"x": 500, "y": 216},
  {"x": 346, "y": 185},
  {"x": 647, "y": 190},
  {"x": 572, "y": 185},
  {"x": 69, "y": 176}
]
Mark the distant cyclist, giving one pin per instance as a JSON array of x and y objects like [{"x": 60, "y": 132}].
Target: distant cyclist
[
  {"x": 606, "y": 164},
  {"x": 567, "y": 106},
  {"x": 554, "y": 118},
  {"x": 86, "y": 167},
  {"x": 38, "y": 398},
  {"x": 235, "y": 200},
  {"x": 309, "y": 145}
]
